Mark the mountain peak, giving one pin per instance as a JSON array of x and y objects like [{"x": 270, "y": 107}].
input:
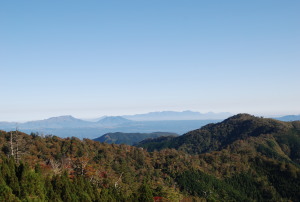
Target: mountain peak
[
  {"x": 242, "y": 116},
  {"x": 113, "y": 120},
  {"x": 54, "y": 122}
]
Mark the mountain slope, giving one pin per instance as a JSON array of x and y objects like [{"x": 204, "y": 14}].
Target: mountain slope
[
  {"x": 130, "y": 138},
  {"x": 55, "y": 122},
  {"x": 241, "y": 127},
  {"x": 113, "y": 121}
]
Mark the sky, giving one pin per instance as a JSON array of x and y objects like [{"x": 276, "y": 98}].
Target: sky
[{"x": 94, "y": 58}]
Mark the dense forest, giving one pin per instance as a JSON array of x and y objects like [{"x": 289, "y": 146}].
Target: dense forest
[{"x": 243, "y": 158}]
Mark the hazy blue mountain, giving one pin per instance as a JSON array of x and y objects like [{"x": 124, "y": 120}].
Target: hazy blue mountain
[
  {"x": 179, "y": 127},
  {"x": 113, "y": 121},
  {"x": 8, "y": 125},
  {"x": 175, "y": 126},
  {"x": 172, "y": 115},
  {"x": 130, "y": 138},
  {"x": 95, "y": 119},
  {"x": 55, "y": 122},
  {"x": 67, "y": 126},
  {"x": 289, "y": 118}
]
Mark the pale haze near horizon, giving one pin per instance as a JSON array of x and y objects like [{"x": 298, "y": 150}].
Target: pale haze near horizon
[{"x": 94, "y": 58}]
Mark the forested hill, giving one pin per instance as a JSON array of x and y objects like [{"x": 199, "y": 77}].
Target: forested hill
[
  {"x": 130, "y": 138},
  {"x": 245, "y": 158},
  {"x": 241, "y": 127}
]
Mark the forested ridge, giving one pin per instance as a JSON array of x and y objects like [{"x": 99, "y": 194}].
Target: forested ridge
[
  {"x": 130, "y": 138},
  {"x": 243, "y": 158}
]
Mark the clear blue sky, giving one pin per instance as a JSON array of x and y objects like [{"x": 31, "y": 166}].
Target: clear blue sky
[{"x": 94, "y": 58}]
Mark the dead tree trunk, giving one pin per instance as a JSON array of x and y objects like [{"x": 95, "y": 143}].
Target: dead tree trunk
[
  {"x": 11, "y": 145},
  {"x": 17, "y": 155}
]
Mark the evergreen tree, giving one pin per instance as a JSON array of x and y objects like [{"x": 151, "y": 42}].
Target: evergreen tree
[{"x": 145, "y": 193}]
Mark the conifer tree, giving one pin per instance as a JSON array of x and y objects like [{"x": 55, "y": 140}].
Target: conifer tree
[{"x": 145, "y": 193}]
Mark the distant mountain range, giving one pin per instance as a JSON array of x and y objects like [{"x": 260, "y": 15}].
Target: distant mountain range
[
  {"x": 172, "y": 115},
  {"x": 167, "y": 121},
  {"x": 289, "y": 118},
  {"x": 66, "y": 122},
  {"x": 66, "y": 126},
  {"x": 130, "y": 138}
]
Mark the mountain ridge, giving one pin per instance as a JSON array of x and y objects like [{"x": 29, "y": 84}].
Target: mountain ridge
[
  {"x": 241, "y": 127},
  {"x": 65, "y": 121},
  {"x": 130, "y": 138},
  {"x": 289, "y": 118},
  {"x": 176, "y": 115},
  {"x": 70, "y": 126}
]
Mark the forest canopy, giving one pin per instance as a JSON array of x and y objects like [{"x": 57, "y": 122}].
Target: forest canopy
[{"x": 243, "y": 158}]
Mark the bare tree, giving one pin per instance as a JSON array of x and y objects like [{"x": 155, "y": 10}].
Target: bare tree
[
  {"x": 117, "y": 182},
  {"x": 17, "y": 145},
  {"x": 17, "y": 142},
  {"x": 11, "y": 144},
  {"x": 56, "y": 166}
]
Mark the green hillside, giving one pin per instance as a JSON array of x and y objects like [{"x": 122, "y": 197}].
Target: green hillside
[
  {"x": 241, "y": 127},
  {"x": 130, "y": 138},
  {"x": 243, "y": 158}
]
